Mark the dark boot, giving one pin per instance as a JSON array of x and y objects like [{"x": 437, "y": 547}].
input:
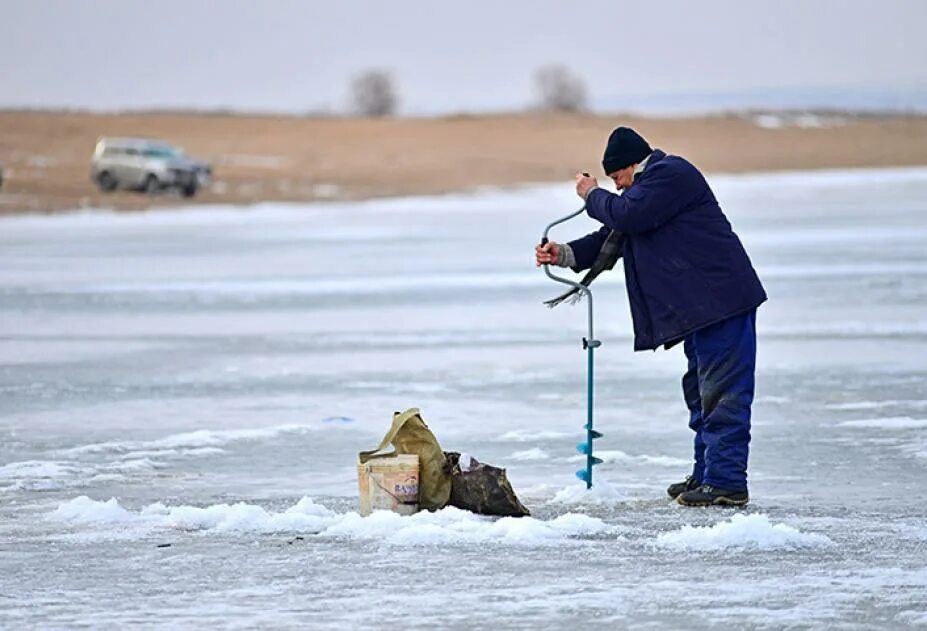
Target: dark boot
[
  {"x": 706, "y": 495},
  {"x": 689, "y": 484}
]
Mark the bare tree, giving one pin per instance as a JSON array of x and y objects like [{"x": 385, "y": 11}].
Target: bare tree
[
  {"x": 559, "y": 89},
  {"x": 373, "y": 93}
]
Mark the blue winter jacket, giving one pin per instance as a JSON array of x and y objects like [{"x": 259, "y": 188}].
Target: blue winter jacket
[{"x": 684, "y": 267}]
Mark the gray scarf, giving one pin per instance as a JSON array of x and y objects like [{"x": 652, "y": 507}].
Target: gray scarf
[{"x": 608, "y": 255}]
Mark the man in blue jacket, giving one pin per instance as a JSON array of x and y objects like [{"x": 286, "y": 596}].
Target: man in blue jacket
[{"x": 689, "y": 280}]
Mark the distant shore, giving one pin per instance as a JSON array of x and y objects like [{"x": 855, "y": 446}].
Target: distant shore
[{"x": 45, "y": 155}]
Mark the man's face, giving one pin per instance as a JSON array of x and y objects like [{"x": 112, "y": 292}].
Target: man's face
[{"x": 623, "y": 177}]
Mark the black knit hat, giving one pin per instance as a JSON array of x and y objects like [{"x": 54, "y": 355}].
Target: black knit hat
[{"x": 625, "y": 147}]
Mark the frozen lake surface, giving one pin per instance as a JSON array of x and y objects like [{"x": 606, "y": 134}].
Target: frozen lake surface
[{"x": 182, "y": 396}]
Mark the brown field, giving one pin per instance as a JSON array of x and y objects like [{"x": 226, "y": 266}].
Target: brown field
[{"x": 45, "y": 155}]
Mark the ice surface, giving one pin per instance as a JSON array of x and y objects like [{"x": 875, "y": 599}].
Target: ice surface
[
  {"x": 741, "y": 531},
  {"x": 616, "y": 455},
  {"x": 447, "y": 526},
  {"x": 197, "y": 439},
  {"x": 453, "y": 526},
  {"x": 874, "y": 405},
  {"x": 85, "y": 510},
  {"x": 601, "y": 494},
  {"x": 888, "y": 422},
  {"x": 39, "y": 475},
  {"x": 209, "y": 367},
  {"x": 304, "y": 516},
  {"x": 913, "y": 618},
  {"x": 535, "y": 453},
  {"x": 522, "y": 436}
]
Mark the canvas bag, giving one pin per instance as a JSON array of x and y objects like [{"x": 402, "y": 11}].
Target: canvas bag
[{"x": 410, "y": 435}]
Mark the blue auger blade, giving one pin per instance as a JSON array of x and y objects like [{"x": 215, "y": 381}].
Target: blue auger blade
[
  {"x": 584, "y": 448},
  {"x": 583, "y": 474},
  {"x": 591, "y": 434}
]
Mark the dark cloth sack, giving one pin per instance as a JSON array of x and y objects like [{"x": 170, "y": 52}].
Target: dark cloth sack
[{"x": 481, "y": 488}]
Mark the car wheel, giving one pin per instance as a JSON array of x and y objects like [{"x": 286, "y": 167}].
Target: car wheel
[
  {"x": 106, "y": 182},
  {"x": 189, "y": 190},
  {"x": 152, "y": 186}
]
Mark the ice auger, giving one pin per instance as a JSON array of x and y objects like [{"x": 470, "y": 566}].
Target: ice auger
[{"x": 589, "y": 345}]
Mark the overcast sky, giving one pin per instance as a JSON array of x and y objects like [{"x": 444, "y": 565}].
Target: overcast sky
[{"x": 446, "y": 56}]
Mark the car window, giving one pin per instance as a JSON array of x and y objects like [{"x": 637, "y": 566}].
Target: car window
[{"x": 161, "y": 152}]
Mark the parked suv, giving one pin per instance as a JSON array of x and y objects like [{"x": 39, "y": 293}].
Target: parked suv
[{"x": 145, "y": 165}]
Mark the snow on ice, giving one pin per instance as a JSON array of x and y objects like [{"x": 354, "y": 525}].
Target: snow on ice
[
  {"x": 535, "y": 453},
  {"x": 741, "y": 531},
  {"x": 448, "y": 526},
  {"x": 601, "y": 494}
]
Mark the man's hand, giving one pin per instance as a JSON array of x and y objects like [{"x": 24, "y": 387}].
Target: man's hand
[
  {"x": 547, "y": 254},
  {"x": 584, "y": 184}
]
